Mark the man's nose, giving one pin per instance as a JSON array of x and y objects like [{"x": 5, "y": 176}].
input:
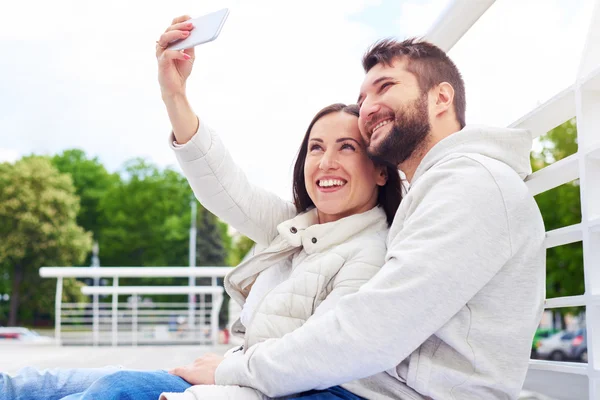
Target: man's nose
[
  {"x": 369, "y": 109},
  {"x": 328, "y": 161}
]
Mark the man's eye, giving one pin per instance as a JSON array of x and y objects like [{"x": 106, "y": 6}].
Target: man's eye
[{"x": 386, "y": 84}]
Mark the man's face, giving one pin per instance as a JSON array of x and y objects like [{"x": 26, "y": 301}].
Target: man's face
[{"x": 394, "y": 117}]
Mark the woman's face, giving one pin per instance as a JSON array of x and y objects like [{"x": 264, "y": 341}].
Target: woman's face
[{"x": 340, "y": 178}]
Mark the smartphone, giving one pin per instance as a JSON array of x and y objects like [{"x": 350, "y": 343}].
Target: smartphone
[{"x": 206, "y": 29}]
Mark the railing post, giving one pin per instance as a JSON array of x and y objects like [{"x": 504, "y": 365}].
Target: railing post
[
  {"x": 96, "y": 320},
  {"x": 58, "y": 310},
  {"x": 214, "y": 317},
  {"x": 115, "y": 314},
  {"x": 202, "y": 316},
  {"x": 134, "y": 319},
  {"x": 588, "y": 140}
]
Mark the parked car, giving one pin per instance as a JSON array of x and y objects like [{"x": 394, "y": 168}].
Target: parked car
[
  {"x": 579, "y": 349},
  {"x": 557, "y": 347},
  {"x": 541, "y": 333},
  {"x": 19, "y": 334}
]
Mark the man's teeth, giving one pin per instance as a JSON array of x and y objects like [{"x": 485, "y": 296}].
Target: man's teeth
[
  {"x": 382, "y": 123},
  {"x": 331, "y": 182}
]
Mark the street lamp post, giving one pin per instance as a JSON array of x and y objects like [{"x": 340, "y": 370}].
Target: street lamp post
[
  {"x": 96, "y": 301},
  {"x": 192, "y": 261}
]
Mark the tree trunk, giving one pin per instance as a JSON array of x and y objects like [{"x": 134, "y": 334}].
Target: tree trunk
[{"x": 15, "y": 296}]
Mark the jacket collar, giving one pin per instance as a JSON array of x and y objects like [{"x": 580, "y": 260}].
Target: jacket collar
[
  {"x": 302, "y": 231},
  {"x": 305, "y": 231}
]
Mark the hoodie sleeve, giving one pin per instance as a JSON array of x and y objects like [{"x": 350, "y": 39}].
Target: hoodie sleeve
[
  {"x": 454, "y": 238},
  {"x": 222, "y": 188}
]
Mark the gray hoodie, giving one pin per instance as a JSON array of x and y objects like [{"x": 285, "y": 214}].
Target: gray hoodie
[{"x": 452, "y": 313}]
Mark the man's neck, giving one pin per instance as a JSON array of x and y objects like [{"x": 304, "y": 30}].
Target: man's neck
[{"x": 409, "y": 167}]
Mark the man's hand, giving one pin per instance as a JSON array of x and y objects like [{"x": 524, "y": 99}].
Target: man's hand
[{"x": 201, "y": 372}]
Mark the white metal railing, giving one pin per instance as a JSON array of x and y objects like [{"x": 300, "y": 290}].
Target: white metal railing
[
  {"x": 582, "y": 101},
  {"x": 138, "y": 321},
  {"x": 157, "y": 315}
]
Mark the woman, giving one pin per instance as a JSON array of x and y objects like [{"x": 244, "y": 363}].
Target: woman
[
  {"x": 340, "y": 198},
  {"x": 325, "y": 245},
  {"x": 333, "y": 243}
]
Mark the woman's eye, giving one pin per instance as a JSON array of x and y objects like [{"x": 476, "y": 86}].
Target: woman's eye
[
  {"x": 348, "y": 146},
  {"x": 315, "y": 147}
]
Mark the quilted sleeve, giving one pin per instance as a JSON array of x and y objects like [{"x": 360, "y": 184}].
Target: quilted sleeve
[{"x": 222, "y": 188}]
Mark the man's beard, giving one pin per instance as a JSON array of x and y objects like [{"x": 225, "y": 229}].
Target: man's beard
[{"x": 409, "y": 132}]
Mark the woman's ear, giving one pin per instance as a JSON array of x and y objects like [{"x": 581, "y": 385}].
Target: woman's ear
[{"x": 382, "y": 176}]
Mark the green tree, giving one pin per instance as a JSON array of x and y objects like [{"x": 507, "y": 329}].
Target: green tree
[
  {"x": 240, "y": 248},
  {"x": 561, "y": 207},
  {"x": 146, "y": 217},
  {"x": 38, "y": 209},
  {"x": 210, "y": 249},
  {"x": 91, "y": 180}
]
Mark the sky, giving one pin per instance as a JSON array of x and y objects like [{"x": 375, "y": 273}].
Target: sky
[{"x": 79, "y": 74}]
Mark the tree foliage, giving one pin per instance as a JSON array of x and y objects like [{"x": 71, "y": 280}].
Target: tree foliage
[
  {"x": 38, "y": 210},
  {"x": 146, "y": 217},
  {"x": 91, "y": 180}
]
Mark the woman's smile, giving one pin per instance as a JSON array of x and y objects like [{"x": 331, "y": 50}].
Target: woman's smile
[{"x": 328, "y": 184}]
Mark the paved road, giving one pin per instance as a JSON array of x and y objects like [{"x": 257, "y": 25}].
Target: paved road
[
  {"x": 14, "y": 357},
  {"x": 558, "y": 386}
]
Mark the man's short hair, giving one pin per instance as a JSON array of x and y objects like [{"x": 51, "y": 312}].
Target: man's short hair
[{"x": 430, "y": 65}]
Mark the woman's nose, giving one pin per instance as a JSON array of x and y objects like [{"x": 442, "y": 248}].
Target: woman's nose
[{"x": 328, "y": 162}]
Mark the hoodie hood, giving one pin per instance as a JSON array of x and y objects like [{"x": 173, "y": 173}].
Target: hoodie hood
[{"x": 510, "y": 146}]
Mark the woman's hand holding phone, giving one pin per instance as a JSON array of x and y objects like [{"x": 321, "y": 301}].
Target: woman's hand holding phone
[{"x": 174, "y": 66}]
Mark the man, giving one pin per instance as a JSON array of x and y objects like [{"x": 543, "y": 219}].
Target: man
[{"x": 452, "y": 313}]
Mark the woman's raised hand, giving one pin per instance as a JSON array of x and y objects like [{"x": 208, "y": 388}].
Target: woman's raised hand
[{"x": 174, "y": 66}]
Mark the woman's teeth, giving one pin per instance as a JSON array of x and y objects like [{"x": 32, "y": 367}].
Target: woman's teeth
[{"x": 331, "y": 182}]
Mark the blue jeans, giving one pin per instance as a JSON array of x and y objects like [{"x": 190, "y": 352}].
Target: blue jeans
[
  {"x": 88, "y": 383},
  {"x": 111, "y": 383},
  {"x": 336, "y": 392}
]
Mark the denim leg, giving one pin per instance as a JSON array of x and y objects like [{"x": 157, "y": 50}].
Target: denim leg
[
  {"x": 50, "y": 384},
  {"x": 333, "y": 393},
  {"x": 132, "y": 385}
]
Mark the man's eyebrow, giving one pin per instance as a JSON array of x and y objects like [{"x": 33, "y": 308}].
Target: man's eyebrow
[{"x": 375, "y": 82}]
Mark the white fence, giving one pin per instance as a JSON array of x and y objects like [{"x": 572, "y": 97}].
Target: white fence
[
  {"x": 580, "y": 100},
  {"x": 139, "y": 320}
]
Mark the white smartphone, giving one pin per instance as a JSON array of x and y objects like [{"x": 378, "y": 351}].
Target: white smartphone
[{"x": 206, "y": 29}]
